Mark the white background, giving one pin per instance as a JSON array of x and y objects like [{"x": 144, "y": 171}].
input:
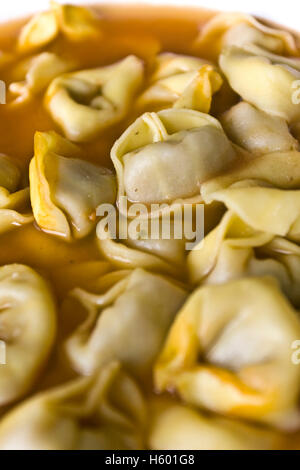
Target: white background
[{"x": 286, "y": 12}]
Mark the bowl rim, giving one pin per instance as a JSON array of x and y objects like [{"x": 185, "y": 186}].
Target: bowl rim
[{"x": 282, "y": 13}]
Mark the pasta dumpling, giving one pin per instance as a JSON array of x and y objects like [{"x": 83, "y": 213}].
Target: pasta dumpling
[
  {"x": 278, "y": 170},
  {"x": 164, "y": 157},
  {"x": 238, "y": 29},
  {"x": 75, "y": 22},
  {"x": 257, "y": 131},
  {"x": 256, "y": 205},
  {"x": 12, "y": 199},
  {"x": 86, "y": 102},
  {"x": 158, "y": 244},
  {"x": 229, "y": 350},
  {"x": 27, "y": 327},
  {"x": 275, "y": 79},
  {"x": 103, "y": 412},
  {"x": 233, "y": 250},
  {"x": 175, "y": 426},
  {"x": 36, "y": 74},
  {"x": 263, "y": 192},
  {"x": 65, "y": 190},
  {"x": 160, "y": 255},
  {"x": 182, "y": 81},
  {"x": 129, "y": 307}
]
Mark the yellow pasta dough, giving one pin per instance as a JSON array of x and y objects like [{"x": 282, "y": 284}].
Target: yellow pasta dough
[{"x": 229, "y": 351}]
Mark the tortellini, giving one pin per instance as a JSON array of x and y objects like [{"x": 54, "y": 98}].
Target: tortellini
[
  {"x": 103, "y": 412},
  {"x": 257, "y": 204},
  {"x": 238, "y": 29},
  {"x": 264, "y": 193},
  {"x": 27, "y": 327},
  {"x": 229, "y": 351},
  {"x": 164, "y": 157},
  {"x": 233, "y": 249},
  {"x": 76, "y": 23},
  {"x": 157, "y": 161},
  {"x": 86, "y": 102},
  {"x": 257, "y": 131},
  {"x": 141, "y": 302},
  {"x": 12, "y": 199},
  {"x": 278, "y": 169},
  {"x": 265, "y": 80},
  {"x": 185, "y": 82},
  {"x": 176, "y": 426},
  {"x": 155, "y": 254},
  {"x": 66, "y": 190},
  {"x": 36, "y": 74}
]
